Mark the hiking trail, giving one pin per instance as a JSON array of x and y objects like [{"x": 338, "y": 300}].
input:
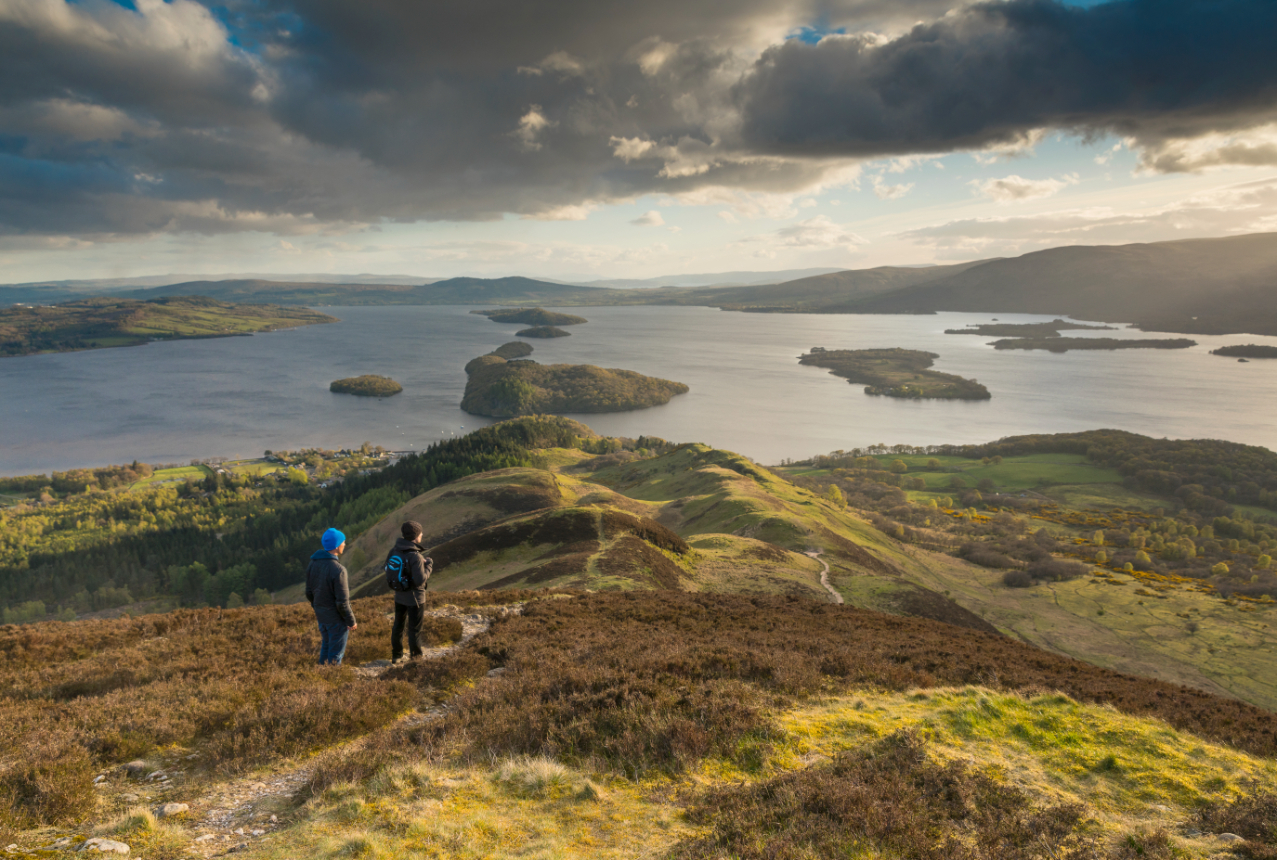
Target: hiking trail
[
  {"x": 824, "y": 575},
  {"x": 231, "y": 816}
]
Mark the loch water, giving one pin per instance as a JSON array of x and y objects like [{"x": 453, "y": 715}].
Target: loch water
[{"x": 171, "y": 402}]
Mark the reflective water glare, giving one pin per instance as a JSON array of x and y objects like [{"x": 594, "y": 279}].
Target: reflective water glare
[{"x": 172, "y": 402}]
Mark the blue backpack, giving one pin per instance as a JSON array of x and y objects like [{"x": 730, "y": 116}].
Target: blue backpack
[{"x": 398, "y": 575}]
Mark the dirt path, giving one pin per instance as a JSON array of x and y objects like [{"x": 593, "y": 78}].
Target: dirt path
[
  {"x": 824, "y": 575},
  {"x": 230, "y": 816}
]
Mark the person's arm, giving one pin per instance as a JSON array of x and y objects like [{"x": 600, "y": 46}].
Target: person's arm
[
  {"x": 427, "y": 568},
  {"x": 310, "y": 584},
  {"x": 341, "y": 597}
]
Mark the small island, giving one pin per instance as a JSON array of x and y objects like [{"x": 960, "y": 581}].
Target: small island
[
  {"x": 368, "y": 385},
  {"x": 1064, "y": 344},
  {"x": 1046, "y": 329},
  {"x": 104, "y": 322},
  {"x": 499, "y": 388},
  {"x": 1246, "y": 350},
  {"x": 531, "y": 317},
  {"x": 512, "y": 350},
  {"x": 895, "y": 373},
  {"x": 543, "y": 331}
]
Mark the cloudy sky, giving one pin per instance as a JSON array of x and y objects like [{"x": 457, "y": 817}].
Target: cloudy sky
[{"x": 580, "y": 138}]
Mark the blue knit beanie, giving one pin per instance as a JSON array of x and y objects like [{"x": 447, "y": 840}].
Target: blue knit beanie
[{"x": 332, "y": 539}]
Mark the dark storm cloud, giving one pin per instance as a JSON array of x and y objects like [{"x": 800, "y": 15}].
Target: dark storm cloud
[
  {"x": 296, "y": 116},
  {"x": 1151, "y": 69}
]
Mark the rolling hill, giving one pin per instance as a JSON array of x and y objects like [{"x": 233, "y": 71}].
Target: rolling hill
[{"x": 1195, "y": 286}]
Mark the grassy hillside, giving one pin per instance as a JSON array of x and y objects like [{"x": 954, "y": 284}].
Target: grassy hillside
[
  {"x": 572, "y": 725},
  {"x": 99, "y": 323}
]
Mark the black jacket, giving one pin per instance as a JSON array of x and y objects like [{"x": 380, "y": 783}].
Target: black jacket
[
  {"x": 328, "y": 590},
  {"x": 419, "y": 567}
]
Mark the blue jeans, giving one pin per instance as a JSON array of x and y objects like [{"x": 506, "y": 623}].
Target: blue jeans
[{"x": 332, "y": 642}]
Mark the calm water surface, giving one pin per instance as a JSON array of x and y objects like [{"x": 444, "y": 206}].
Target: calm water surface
[{"x": 236, "y": 397}]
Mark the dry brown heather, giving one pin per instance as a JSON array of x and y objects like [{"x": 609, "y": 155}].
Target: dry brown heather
[
  {"x": 1253, "y": 817},
  {"x": 241, "y": 685},
  {"x": 634, "y": 683}
]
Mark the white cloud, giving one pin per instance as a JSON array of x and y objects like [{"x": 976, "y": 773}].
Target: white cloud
[
  {"x": 1227, "y": 210},
  {"x": 883, "y": 191},
  {"x": 649, "y": 219},
  {"x": 1256, "y": 147},
  {"x": 729, "y": 217},
  {"x": 1010, "y": 189},
  {"x": 814, "y": 233},
  {"x": 1021, "y": 147},
  {"x": 572, "y": 212},
  {"x": 531, "y": 124}
]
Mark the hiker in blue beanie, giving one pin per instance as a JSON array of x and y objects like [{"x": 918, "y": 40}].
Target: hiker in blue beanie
[{"x": 328, "y": 591}]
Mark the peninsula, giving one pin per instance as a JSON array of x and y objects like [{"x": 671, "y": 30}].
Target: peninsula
[
  {"x": 895, "y": 373},
  {"x": 1046, "y": 329},
  {"x": 368, "y": 385},
  {"x": 543, "y": 331},
  {"x": 1064, "y": 344},
  {"x": 531, "y": 317},
  {"x": 99, "y": 323},
  {"x": 499, "y": 388},
  {"x": 1246, "y": 350}
]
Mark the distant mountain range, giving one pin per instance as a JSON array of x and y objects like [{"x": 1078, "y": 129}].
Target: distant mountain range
[{"x": 1196, "y": 286}]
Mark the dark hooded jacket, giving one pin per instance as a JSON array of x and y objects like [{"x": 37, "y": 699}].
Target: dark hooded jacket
[
  {"x": 419, "y": 567},
  {"x": 328, "y": 590}
]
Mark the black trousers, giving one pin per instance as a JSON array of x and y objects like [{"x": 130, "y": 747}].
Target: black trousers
[{"x": 409, "y": 616}]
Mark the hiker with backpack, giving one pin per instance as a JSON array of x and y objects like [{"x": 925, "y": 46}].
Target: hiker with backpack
[
  {"x": 407, "y": 572},
  {"x": 328, "y": 591}
]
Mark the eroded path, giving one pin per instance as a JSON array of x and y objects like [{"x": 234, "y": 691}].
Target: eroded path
[
  {"x": 231, "y": 816},
  {"x": 824, "y": 575}
]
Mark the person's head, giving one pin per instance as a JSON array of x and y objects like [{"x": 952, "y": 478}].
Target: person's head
[
  {"x": 411, "y": 531},
  {"x": 334, "y": 541}
]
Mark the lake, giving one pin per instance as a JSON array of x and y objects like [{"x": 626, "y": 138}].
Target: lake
[{"x": 237, "y": 397}]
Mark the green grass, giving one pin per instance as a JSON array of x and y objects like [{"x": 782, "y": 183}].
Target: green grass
[
  {"x": 1130, "y": 771},
  {"x": 177, "y": 475}
]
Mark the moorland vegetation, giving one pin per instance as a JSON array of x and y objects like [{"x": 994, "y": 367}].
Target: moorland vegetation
[
  {"x": 98, "y": 323},
  {"x": 597, "y": 725},
  {"x": 895, "y": 373},
  {"x": 368, "y": 385}
]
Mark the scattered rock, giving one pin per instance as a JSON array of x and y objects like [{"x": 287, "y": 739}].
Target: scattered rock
[
  {"x": 136, "y": 767},
  {"x": 242, "y": 846},
  {"x": 258, "y": 832},
  {"x": 130, "y": 798},
  {"x": 1230, "y": 837},
  {"x": 207, "y": 837},
  {"x": 104, "y": 846},
  {"x": 274, "y": 820},
  {"x": 164, "y": 810},
  {"x": 99, "y": 778},
  {"x": 64, "y": 842},
  {"x": 497, "y": 672}
]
